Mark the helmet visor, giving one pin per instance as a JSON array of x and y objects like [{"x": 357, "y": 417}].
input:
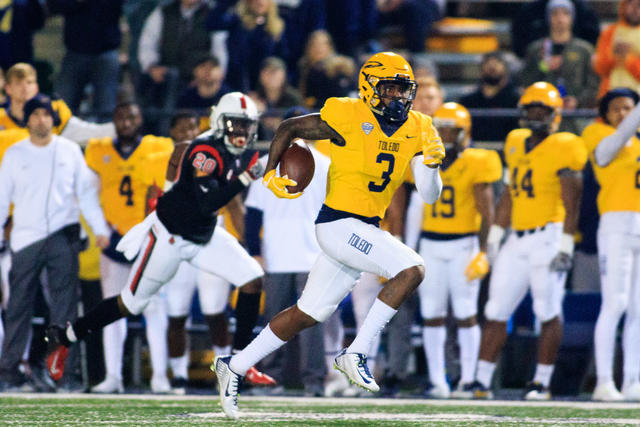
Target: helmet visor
[{"x": 396, "y": 88}]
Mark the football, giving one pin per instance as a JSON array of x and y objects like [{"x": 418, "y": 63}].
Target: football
[{"x": 297, "y": 164}]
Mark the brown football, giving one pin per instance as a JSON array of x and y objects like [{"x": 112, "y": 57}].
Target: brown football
[{"x": 297, "y": 164}]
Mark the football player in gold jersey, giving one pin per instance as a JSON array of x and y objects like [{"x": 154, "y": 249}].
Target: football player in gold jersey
[
  {"x": 127, "y": 166},
  {"x": 21, "y": 86},
  {"x": 453, "y": 245},
  {"x": 374, "y": 140},
  {"x": 614, "y": 150},
  {"x": 541, "y": 206}
]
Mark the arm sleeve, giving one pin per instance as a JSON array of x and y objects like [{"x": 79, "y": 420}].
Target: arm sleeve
[
  {"x": 87, "y": 194},
  {"x": 603, "y": 60},
  {"x": 413, "y": 222},
  {"x": 81, "y": 131},
  {"x": 428, "y": 181},
  {"x": 252, "y": 226},
  {"x": 609, "y": 147},
  {"x": 149, "y": 43}
]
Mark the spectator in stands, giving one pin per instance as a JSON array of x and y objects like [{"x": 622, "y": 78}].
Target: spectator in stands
[
  {"x": 184, "y": 126},
  {"x": 564, "y": 61},
  {"x": 351, "y": 23},
  {"x": 414, "y": 16},
  {"x": 273, "y": 95},
  {"x": 424, "y": 67},
  {"x": 617, "y": 58},
  {"x": 16, "y": 39},
  {"x": 21, "y": 86},
  {"x": 207, "y": 86},
  {"x": 495, "y": 91},
  {"x": 301, "y": 17},
  {"x": 47, "y": 195},
  {"x": 255, "y": 32},
  {"x": 173, "y": 38},
  {"x": 92, "y": 38},
  {"x": 429, "y": 96},
  {"x": 531, "y": 24},
  {"x": 319, "y": 47}
]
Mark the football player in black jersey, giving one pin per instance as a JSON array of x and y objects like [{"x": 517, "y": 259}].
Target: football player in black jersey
[{"x": 210, "y": 171}]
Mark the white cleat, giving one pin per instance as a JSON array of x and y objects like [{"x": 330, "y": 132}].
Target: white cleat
[
  {"x": 463, "y": 391},
  {"x": 110, "y": 384},
  {"x": 228, "y": 383},
  {"x": 536, "y": 391},
  {"x": 607, "y": 392},
  {"x": 631, "y": 393},
  {"x": 160, "y": 385},
  {"x": 438, "y": 391},
  {"x": 354, "y": 366}
]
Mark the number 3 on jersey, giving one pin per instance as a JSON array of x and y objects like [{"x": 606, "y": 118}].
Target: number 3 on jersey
[
  {"x": 386, "y": 175},
  {"x": 126, "y": 190}
]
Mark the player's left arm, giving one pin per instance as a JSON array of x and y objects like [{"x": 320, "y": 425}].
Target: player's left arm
[
  {"x": 81, "y": 131},
  {"x": 571, "y": 193},
  {"x": 483, "y": 196}
]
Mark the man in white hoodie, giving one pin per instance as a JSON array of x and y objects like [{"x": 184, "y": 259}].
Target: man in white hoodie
[{"x": 48, "y": 182}]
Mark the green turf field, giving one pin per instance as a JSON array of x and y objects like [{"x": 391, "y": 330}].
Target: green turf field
[{"x": 140, "y": 410}]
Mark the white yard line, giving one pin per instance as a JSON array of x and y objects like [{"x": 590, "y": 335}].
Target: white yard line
[{"x": 342, "y": 401}]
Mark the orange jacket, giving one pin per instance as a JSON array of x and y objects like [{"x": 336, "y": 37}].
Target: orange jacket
[{"x": 604, "y": 61}]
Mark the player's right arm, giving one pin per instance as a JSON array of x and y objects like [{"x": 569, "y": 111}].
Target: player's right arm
[
  {"x": 311, "y": 127},
  {"x": 500, "y": 224}
]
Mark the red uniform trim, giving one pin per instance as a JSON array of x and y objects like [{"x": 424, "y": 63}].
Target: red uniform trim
[
  {"x": 243, "y": 102},
  {"x": 209, "y": 149},
  {"x": 143, "y": 263}
]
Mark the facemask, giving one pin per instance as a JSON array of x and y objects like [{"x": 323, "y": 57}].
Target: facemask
[{"x": 396, "y": 111}]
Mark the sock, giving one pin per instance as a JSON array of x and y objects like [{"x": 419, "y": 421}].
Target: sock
[
  {"x": 543, "y": 374},
  {"x": 113, "y": 337},
  {"x": 469, "y": 342},
  {"x": 247, "y": 309},
  {"x": 104, "y": 313},
  {"x": 265, "y": 343},
  {"x": 180, "y": 366},
  {"x": 604, "y": 342},
  {"x": 378, "y": 316},
  {"x": 156, "y": 331},
  {"x": 221, "y": 351},
  {"x": 484, "y": 373},
  {"x": 433, "y": 338},
  {"x": 631, "y": 347}
]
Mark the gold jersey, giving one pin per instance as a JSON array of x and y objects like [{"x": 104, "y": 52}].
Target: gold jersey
[
  {"x": 533, "y": 180},
  {"x": 455, "y": 211},
  {"x": 8, "y": 137},
  {"x": 125, "y": 181},
  {"x": 619, "y": 180},
  {"x": 369, "y": 166},
  {"x": 59, "y": 106}
]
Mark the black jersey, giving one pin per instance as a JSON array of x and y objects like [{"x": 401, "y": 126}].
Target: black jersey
[{"x": 207, "y": 179}]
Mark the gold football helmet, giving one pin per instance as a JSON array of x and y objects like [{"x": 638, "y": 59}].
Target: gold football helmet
[
  {"x": 387, "y": 75},
  {"x": 453, "y": 122},
  {"x": 541, "y": 94}
]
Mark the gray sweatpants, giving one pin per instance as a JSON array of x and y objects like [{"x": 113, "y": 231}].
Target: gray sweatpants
[
  {"x": 58, "y": 255},
  {"x": 282, "y": 291}
]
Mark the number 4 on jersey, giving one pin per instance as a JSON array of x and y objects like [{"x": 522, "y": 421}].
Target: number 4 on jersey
[{"x": 126, "y": 189}]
